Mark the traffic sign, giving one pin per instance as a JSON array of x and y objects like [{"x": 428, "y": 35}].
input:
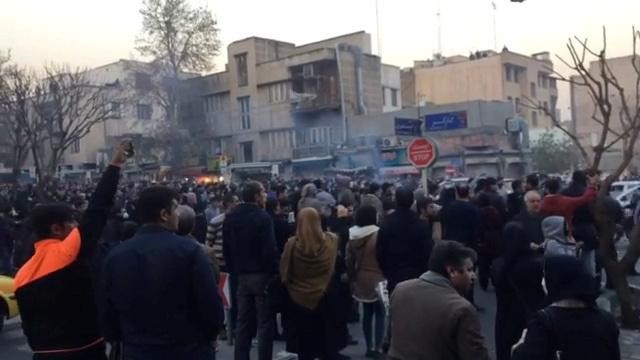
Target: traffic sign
[{"x": 422, "y": 153}]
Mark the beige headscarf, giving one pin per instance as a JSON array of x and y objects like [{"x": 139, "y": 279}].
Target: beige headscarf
[{"x": 308, "y": 260}]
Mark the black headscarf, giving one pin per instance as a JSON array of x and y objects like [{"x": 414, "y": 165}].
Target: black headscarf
[{"x": 567, "y": 278}]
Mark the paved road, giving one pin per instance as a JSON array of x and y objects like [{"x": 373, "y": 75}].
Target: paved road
[{"x": 13, "y": 345}]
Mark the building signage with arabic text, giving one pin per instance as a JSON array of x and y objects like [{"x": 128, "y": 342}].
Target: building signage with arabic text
[{"x": 446, "y": 121}]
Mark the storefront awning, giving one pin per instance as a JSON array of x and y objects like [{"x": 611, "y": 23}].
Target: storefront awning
[
  {"x": 398, "y": 170},
  {"x": 252, "y": 165},
  {"x": 311, "y": 159}
]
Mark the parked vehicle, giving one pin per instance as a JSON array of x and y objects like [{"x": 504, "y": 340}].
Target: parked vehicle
[
  {"x": 8, "y": 303},
  {"x": 619, "y": 187}
]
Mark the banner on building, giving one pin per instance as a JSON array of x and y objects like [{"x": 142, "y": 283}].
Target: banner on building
[
  {"x": 408, "y": 127},
  {"x": 446, "y": 121}
]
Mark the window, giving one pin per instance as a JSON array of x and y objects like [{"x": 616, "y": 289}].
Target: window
[
  {"x": 278, "y": 93},
  {"x": 545, "y": 106},
  {"x": 245, "y": 112},
  {"x": 533, "y": 89},
  {"x": 508, "y": 72},
  {"x": 552, "y": 83},
  {"x": 214, "y": 103},
  {"x": 75, "y": 146},
  {"x": 509, "y": 99},
  {"x": 247, "y": 151},
  {"x": 241, "y": 67},
  {"x": 116, "y": 112},
  {"x": 534, "y": 119},
  {"x": 384, "y": 96},
  {"x": 144, "y": 111},
  {"x": 553, "y": 101},
  {"x": 142, "y": 81},
  {"x": 394, "y": 97},
  {"x": 518, "y": 105}
]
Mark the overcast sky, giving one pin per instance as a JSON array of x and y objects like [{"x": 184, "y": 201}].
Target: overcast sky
[{"x": 95, "y": 32}]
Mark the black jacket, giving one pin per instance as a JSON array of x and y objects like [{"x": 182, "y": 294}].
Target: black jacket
[
  {"x": 579, "y": 333},
  {"x": 57, "y": 298},
  {"x": 532, "y": 224},
  {"x": 159, "y": 289},
  {"x": 461, "y": 223},
  {"x": 584, "y": 223},
  {"x": 515, "y": 204},
  {"x": 249, "y": 242},
  {"x": 403, "y": 247}
]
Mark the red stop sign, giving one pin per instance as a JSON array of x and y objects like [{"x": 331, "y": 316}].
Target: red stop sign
[{"x": 422, "y": 153}]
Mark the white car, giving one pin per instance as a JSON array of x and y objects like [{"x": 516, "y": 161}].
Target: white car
[
  {"x": 625, "y": 197},
  {"x": 619, "y": 187}
]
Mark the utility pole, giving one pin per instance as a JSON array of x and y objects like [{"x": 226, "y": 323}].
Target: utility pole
[
  {"x": 378, "y": 29},
  {"x": 495, "y": 26}
]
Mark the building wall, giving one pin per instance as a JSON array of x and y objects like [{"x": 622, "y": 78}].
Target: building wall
[
  {"x": 276, "y": 129},
  {"x": 103, "y": 135},
  {"x": 391, "y": 88},
  {"x": 583, "y": 108},
  {"x": 459, "y": 79}
]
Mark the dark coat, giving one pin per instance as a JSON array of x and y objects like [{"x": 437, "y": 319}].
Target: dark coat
[
  {"x": 519, "y": 294},
  {"x": 515, "y": 204},
  {"x": 579, "y": 333},
  {"x": 532, "y": 224},
  {"x": 461, "y": 223},
  {"x": 404, "y": 246},
  {"x": 158, "y": 294},
  {"x": 249, "y": 242},
  {"x": 321, "y": 332}
]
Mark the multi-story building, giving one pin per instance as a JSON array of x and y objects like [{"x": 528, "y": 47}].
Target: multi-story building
[
  {"x": 583, "y": 110},
  {"x": 525, "y": 81},
  {"x": 277, "y": 103},
  {"x": 471, "y": 140}
]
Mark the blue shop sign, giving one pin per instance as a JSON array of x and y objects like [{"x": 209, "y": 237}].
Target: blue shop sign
[
  {"x": 408, "y": 127},
  {"x": 446, "y": 121}
]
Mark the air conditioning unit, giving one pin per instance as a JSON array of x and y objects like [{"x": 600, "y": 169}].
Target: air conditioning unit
[
  {"x": 307, "y": 70},
  {"x": 389, "y": 141}
]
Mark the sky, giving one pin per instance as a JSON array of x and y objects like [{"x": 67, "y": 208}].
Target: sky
[{"x": 90, "y": 33}]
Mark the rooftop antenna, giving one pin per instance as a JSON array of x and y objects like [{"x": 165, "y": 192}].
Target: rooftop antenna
[
  {"x": 439, "y": 29},
  {"x": 495, "y": 26}
]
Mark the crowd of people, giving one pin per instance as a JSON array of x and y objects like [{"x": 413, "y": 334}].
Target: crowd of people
[{"x": 140, "y": 267}]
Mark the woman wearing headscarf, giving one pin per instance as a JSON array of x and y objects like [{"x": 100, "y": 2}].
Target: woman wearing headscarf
[
  {"x": 311, "y": 269},
  {"x": 517, "y": 277},
  {"x": 572, "y": 326},
  {"x": 365, "y": 275}
]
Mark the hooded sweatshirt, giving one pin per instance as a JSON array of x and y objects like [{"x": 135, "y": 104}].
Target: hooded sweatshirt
[
  {"x": 362, "y": 265},
  {"x": 553, "y": 228}
]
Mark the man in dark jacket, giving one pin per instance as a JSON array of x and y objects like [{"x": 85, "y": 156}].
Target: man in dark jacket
[
  {"x": 404, "y": 242},
  {"x": 461, "y": 219},
  {"x": 515, "y": 200},
  {"x": 531, "y": 219},
  {"x": 54, "y": 288},
  {"x": 251, "y": 254},
  {"x": 158, "y": 294}
]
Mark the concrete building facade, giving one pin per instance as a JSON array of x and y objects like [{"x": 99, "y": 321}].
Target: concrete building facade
[
  {"x": 477, "y": 144},
  {"x": 485, "y": 75},
  {"x": 583, "y": 109},
  {"x": 280, "y": 103}
]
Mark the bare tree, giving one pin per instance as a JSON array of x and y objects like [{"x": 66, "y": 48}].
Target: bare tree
[
  {"x": 617, "y": 111},
  {"x": 17, "y": 87},
  {"x": 67, "y": 105},
  {"x": 179, "y": 39}
]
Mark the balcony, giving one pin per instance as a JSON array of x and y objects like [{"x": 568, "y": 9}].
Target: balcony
[
  {"x": 313, "y": 103},
  {"x": 309, "y": 151}
]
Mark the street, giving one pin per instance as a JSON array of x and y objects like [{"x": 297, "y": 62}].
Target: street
[{"x": 13, "y": 345}]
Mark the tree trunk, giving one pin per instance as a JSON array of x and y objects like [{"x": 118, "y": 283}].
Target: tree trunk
[{"x": 615, "y": 269}]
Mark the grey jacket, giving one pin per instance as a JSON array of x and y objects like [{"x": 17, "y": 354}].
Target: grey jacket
[
  {"x": 431, "y": 320},
  {"x": 553, "y": 228}
]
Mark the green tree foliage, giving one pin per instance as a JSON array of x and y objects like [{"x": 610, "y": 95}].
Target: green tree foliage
[{"x": 554, "y": 154}]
